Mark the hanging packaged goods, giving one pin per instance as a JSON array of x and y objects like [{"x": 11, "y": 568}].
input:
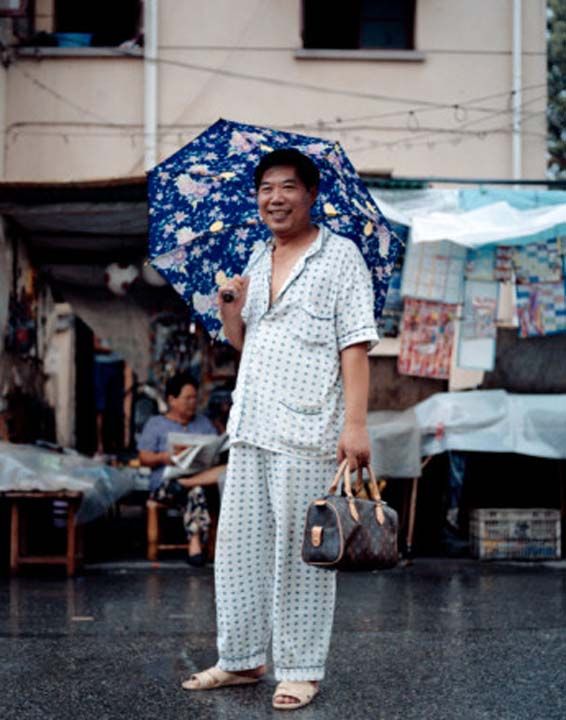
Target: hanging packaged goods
[{"x": 452, "y": 278}]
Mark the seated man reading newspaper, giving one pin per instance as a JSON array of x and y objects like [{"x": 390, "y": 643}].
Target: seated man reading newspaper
[{"x": 182, "y": 448}]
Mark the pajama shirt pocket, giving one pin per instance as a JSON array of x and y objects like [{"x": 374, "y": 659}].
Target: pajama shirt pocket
[
  {"x": 301, "y": 426},
  {"x": 313, "y": 326}
]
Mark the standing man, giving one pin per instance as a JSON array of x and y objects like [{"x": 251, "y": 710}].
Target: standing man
[{"x": 303, "y": 318}]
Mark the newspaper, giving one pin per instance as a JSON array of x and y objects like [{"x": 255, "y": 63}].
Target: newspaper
[{"x": 193, "y": 453}]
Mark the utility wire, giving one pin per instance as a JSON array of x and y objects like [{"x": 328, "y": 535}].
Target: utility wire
[
  {"x": 78, "y": 129},
  {"x": 427, "y": 135},
  {"x": 465, "y": 106},
  {"x": 126, "y": 131},
  {"x": 124, "y": 128},
  {"x": 420, "y": 106},
  {"x": 457, "y": 140},
  {"x": 340, "y": 126},
  {"x": 418, "y": 103},
  {"x": 62, "y": 98}
]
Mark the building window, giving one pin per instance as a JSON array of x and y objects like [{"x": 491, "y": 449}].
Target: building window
[
  {"x": 358, "y": 24},
  {"x": 108, "y": 22}
]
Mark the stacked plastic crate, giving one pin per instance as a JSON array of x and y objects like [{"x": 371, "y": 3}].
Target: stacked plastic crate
[{"x": 515, "y": 534}]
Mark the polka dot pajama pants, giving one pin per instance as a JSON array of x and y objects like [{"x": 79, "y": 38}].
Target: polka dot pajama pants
[{"x": 263, "y": 588}]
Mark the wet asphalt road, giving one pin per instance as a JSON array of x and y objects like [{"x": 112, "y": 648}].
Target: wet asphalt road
[{"x": 442, "y": 639}]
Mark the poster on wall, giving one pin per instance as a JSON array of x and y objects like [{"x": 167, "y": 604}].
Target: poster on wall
[
  {"x": 480, "y": 264},
  {"x": 427, "y": 335},
  {"x": 538, "y": 262},
  {"x": 476, "y": 342},
  {"x": 541, "y": 308},
  {"x": 434, "y": 271}
]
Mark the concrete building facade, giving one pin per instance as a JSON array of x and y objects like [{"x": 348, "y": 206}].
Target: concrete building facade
[
  {"x": 103, "y": 90},
  {"x": 442, "y": 88}
]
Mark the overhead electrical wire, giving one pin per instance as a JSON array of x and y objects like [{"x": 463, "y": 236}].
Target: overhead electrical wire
[
  {"x": 456, "y": 107},
  {"x": 419, "y": 133},
  {"x": 103, "y": 129},
  {"x": 459, "y": 130},
  {"x": 91, "y": 129},
  {"x": 62, "y": 98},
  {"x": 301, "y": 85},
  {"x": 419, "y": 105}
]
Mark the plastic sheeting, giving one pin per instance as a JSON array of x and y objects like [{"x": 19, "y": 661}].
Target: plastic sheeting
[
  {"x": 492, "y": 224},
  {"x": 493, "y": 421},
  {"x": 401, "y": 206},
  {"x": 480, "y": 421},
  {"x": 26, "y": 468},
  {"x": 395, "y": 443}
]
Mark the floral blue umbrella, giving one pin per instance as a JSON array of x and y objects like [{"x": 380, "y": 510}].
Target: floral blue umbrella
[{"x": 204, "y": 222}]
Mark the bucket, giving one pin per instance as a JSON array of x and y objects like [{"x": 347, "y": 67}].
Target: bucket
[{"x": 73, "y": 39}]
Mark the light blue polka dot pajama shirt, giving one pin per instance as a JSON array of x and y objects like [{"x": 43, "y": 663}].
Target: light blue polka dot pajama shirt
[{"x": 284, "y": 427}]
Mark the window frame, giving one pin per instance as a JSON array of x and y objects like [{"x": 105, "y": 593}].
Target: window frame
[
  {"x": 137, "y": 24},
  {"x": 327, "y": 51}
]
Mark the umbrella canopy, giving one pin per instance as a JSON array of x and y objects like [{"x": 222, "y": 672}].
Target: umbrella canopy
[{"x": 204, "y": 222}]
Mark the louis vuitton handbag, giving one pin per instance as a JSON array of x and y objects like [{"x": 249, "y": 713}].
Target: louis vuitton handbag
[{"x": 344, "y": 532}]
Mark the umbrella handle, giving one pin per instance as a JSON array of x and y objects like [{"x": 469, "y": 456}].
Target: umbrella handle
[{"x": 228, "y": 296}]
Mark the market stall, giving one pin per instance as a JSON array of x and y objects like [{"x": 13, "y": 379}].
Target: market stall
[
  {"x": 76, "y": 488},
  {"x": 491, "y": 421},
  {"x": 476, "y": 262}
]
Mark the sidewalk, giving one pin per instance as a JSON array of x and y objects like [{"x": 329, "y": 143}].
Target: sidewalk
[{"x": 443, "y": 639}]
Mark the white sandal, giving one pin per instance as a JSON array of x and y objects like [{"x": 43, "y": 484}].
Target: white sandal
[
  {"x": 214, "y": 678},
  {"x": 303, "y": 692}
]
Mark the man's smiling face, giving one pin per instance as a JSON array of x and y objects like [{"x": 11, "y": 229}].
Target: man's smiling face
[{"x": 284, "y": 202}]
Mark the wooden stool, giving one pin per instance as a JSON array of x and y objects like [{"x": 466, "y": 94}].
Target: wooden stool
[
  {"x": 19, "y": 531},
  {"x": 154, "y": 508}
]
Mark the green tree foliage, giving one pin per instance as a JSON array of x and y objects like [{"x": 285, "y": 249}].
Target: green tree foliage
[{"x": 557, "y": 87}]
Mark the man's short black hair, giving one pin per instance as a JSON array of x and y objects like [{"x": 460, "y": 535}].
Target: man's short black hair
[
  {"x": 175, "y": 384},
  {"x": 307, "y": 171}
]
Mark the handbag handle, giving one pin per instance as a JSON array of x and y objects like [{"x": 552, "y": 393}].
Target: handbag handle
[
  {"x": 375, "y": 494},
  {"x": 347, "y": 483},
  {"x": 344, "y": 470},
  {"x": 372, "y": 484}
]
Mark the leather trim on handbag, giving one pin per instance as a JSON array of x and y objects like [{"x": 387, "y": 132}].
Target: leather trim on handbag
[
  {"x": 316, "y": 535},
  {"x": 340, "y": 533},
  {"x": 353, "y": 510}
]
